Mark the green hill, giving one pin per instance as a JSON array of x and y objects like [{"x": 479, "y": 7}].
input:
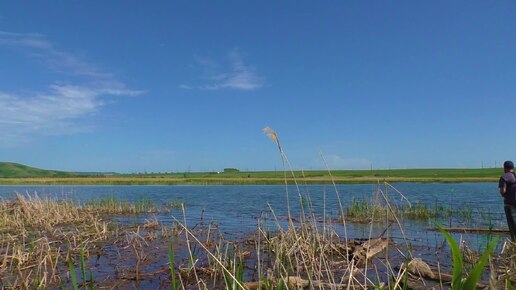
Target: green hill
[{"x": 16, "y": 170}]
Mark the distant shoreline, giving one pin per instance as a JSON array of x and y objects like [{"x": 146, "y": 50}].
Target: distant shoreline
[
  {"x": 226, "y": 181},
  {"x": 232, "y": 176}
]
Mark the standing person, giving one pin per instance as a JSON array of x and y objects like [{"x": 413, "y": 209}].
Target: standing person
[{"x": 507, "y": 186}]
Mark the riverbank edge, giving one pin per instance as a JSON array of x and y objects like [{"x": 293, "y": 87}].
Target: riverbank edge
[{"x": 233, "y": 181}]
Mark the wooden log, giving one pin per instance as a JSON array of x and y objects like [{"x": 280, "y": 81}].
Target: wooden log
[
  {"x": 421, "y": 269},
  {"x": 369, "y": 249}
]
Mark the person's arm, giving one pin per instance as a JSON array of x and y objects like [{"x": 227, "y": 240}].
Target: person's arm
[{"x": 502, "y": 186}]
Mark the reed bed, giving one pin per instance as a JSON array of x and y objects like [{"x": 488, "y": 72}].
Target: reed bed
[
  {"x": 114, "y": 205},
  {"x": 365, "y": 210},
  {"x": 307, "y": 253},
  {"x": 299, "y": 252},
  {"x": 42, "y": 239},
  {"x": 37, "y": 234}
]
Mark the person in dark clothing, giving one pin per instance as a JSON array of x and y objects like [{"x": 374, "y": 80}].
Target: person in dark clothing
[{"x": 507, "y": 186}]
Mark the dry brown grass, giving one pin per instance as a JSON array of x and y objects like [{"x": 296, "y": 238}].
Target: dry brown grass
[{"x": 37, "y": 234}]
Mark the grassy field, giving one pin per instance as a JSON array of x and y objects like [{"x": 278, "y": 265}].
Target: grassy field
[
  {"x": 39, "y": 176},
  {"x": 16, "y": 170}
]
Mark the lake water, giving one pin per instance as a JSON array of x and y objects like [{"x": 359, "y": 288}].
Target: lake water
[{"x": 236, "y": 209}]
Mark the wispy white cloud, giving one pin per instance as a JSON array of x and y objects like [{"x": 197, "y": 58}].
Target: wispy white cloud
[
  {"x": 59, "y": 109},
  {"x": 339, "y": 162},
  {"x": 54, "y": 112},
  {"x": 236, "y": 74},
  {"x": 45, "y": 51},
  {"x": 185, "y": 87},
  {"x": 34, "y": 40}
]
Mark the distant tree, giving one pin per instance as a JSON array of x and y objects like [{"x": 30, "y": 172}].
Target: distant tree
[{"x": 231, "y": 170}]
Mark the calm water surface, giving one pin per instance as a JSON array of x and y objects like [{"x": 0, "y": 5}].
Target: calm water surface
[{"x": 236, "y": 209}]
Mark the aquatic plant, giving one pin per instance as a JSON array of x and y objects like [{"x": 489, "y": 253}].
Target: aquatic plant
[
  {"x": 73, "y": 276},
  {"x": 173, "y": 204},
  {"x": 365, "y": 211},
  {"x": 471, "y": 280},
  {"x": 114, "y": 205},
  {"x": 419, "y": 211},
  {"x": 236, "y": 265},
  {"x": 171, "y": 257}
]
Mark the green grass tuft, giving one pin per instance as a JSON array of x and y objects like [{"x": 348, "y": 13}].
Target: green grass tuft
[{"x": 470, "y": 283}]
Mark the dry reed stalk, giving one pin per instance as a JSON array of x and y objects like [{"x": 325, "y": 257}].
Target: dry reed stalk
[
  {"x": 215, "y": 258},
  {"x": 53, "y": 275},
  {"x": 274, "y": 137},
  {"x": 312, "y": 258},
  {"x": 4, "y": 260},
  {"x": 300, "y": 252},
  {"x": 341, "y": 208},
  {"x": 403, "y": 197},
  {"x": 299, "y": 259},
  {"x": 51, "y": 225},
  {"x": 151, "y": 224},
  {"x": 189, "y": 247},
  {"x": 400, "y": 226},
  {"x": 296, "y": 244}
]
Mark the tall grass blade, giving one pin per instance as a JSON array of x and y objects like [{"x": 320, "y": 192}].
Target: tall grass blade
[
  {"x": 239, "y": 271},
  {"x": 171, "y": 258},
  {"x": 476, "y": 274},
  {"x": 91, "y": 279},
  {"x": 281, "y": 284},
  {"x": 83, "y": 266},
  {"x": 215, "y": 258},
  {"x": 456, "y": 259},
  {"x": 71, "y": 267}
]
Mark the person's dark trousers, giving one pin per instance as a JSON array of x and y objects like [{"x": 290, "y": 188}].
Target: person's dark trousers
[{"x": 510, "y": 213}]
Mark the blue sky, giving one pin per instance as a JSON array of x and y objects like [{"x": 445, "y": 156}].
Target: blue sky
[{"x": 133, "y": 86}]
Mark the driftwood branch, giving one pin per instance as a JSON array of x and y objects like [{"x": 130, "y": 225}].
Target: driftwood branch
[{"x": 420, "y": 269}]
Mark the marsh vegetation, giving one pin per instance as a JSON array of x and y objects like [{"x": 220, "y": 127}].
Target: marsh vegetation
[
  {"x": 52, "y": 243},
  {"x": 300, "y": 243}
]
